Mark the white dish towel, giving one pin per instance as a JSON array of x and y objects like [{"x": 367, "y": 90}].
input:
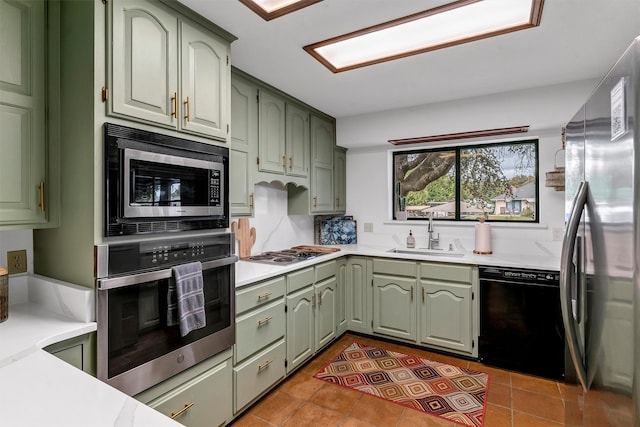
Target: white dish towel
[{"x": 186, "y": 298}]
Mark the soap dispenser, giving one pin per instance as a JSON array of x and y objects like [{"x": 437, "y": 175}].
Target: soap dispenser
[{"x": 411, "y": 241}]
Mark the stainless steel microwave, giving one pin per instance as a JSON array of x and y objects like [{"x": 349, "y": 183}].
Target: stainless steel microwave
[{"x": 157, "y": 183}]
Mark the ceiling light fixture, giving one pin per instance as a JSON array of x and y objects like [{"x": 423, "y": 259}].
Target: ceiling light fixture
[
  {"x": 455, "y": 23},
  {"x": 461, "y": 135},
  {"x": 270, "y": 9}
]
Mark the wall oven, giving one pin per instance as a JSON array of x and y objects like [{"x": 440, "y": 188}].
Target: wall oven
[
  {"x": 157, "y": 183},
  {"x": 138, "y": 345}
]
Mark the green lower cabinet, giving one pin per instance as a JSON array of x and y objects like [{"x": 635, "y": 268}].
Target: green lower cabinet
[
  {"x": 394, "y": 306},
  {"x": 325, "y": 313},
  {"x": 300, "y": 327},
  {"x": 446, "y": 315},
  {"x": 341, "y": 296},
  {"x": 358, "y": 296},
  {"x": 79, "y": 352},
  {"x": 257, "y": 374},
  {"x": 197, "y": 397}
]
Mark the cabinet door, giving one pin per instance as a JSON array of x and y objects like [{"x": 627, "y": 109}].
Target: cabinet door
[
  {"x": 79, "y": 352},
  {"x": 325, "y": 316},
  {"x": 322, "y": 147},
  {"x": 300, "y": 327},
  {"x": 205, "y": 77},
  {"x": 394, "y": 307},
  {"x": 358, "y": 296},
  {"x": 203, "y": 401},
  {"x": 341, "y": 297},
  {"x": 22, "y": 111},
  {"x": 271, "y": 143},
  {"x": 340, "y": 176},
  {"x": 144, "y": 68},
  {"x": 445, "y": 315},
  {"x": 297, "y": 141},
  {"x": 244, "y": 146}
]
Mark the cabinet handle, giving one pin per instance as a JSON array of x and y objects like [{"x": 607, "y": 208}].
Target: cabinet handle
[
  {"x": 412, "y": 293},
  {"x": 264, "y": 296},
  {"x": 422, "y": 294},
  {"x": 315, "y": 201},
  {"x": 284, "y": 161},
  {"x": 41, "y": 188},
  {"x": 188, "y": 104},
  {"x": 174, "y": 100},
  {"x": 264, "y": 321},
  {"x": 337, "y": 202},
  {"x": 251, "y": 200},
  {"x": 319, "y": 298},
  {"x": 186, "y": 407},
  {"x": 264, "y": 366},
  {"x": 290, "y": 163},
  {"x": 313, "y": 301}
]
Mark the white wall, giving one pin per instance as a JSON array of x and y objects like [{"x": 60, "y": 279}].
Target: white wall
[{"x": 545, "y": 110}]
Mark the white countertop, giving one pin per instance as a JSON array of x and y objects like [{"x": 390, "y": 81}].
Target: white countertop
[
  {"x": 38, "y": 389},
  {"x": 248, "y": 272}
]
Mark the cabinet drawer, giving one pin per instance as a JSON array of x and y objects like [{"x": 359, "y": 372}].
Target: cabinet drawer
[
  {"x": 259, "y": 328},
  {"x": 259, "y": 294},
  {"x": 447, "y": 272},
  {"x": 202, "y": 401},
  {"x": 257, "y": 374},
  {"x": 394, "y": 267},
  {"x": 300, "y": 279},
  {"x": 325, "y": 270}
]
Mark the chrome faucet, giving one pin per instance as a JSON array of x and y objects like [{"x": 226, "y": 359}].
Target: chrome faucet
[{"x": 432, "y": 242}]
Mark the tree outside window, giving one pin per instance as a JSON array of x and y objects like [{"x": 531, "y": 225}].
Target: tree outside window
[{"x": 496, "y": 181}]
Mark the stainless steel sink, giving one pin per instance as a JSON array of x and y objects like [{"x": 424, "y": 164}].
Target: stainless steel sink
[{"x": 425, "y": 251}]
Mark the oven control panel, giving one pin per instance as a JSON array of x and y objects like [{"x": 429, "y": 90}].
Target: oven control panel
[{"x": 129, "y": 257}]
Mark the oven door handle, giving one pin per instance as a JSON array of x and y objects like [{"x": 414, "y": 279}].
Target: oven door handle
[{"x": 150, "y": 276}]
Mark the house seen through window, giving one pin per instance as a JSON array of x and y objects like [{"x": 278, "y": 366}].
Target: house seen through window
[{"x": 498, "y": 182}]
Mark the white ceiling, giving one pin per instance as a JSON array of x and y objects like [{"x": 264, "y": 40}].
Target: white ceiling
[{"x": 577, "y": 40}]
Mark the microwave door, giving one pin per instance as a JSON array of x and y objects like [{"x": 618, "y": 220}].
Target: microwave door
[{"x": 162, "y": 185}]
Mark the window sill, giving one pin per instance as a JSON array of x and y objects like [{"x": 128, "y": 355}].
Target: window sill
[{"x": 441, "y": 223}]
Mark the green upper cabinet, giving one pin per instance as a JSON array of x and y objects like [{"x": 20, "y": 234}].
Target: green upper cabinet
[
  {"x": 244, "y": 146},
  {"x": 297, "y": 141},
  {"x": 284, "y": 138},
  {"x": 150, "y": 43},
  {"x": 272, "y": 156},
  {"x": 340, "y": 179},
  {"x": 323, "y": 141},
  {"x": 24, "y": 163}
]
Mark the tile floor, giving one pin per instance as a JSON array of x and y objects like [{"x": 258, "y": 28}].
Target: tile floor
[{"x": 513, "y": 400}]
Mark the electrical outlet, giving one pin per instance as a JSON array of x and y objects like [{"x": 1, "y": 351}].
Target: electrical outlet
[
  {"x": 17, "y": 261},
  {"x": 558, "y": 233},
  {"x": 368, "y": 227}
]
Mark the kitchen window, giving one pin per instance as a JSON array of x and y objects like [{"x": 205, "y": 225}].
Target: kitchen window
[{"x": 498, "y": 182}]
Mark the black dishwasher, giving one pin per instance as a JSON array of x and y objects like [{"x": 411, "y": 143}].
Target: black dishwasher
[{"x": 521, "y": 322}]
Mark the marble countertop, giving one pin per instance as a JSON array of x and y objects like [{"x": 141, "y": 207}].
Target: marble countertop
[
  {"x": 248, "y": 272},
  {"x": 38, "y": 389}
]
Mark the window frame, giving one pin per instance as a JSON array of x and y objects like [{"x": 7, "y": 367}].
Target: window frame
[{"x": 458, "y": 189}]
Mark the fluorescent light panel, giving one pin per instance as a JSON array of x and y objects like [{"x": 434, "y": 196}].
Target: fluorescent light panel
[
  {"x": 270, "y": 9},
  {"x": 451, "y": 24}
]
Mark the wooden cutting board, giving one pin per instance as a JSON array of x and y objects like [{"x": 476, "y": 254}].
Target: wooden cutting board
[
  {"x": 245, "y": 235},
  {"x": 315, "y": 248}
]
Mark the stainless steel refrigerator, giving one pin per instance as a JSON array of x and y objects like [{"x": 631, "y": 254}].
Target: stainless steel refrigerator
[{"x": 600, "y": 271}]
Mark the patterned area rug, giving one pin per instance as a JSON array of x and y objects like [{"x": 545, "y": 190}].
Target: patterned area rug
[{"x": 445, "y": 391}]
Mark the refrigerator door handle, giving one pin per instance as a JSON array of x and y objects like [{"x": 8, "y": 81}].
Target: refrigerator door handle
[{"x": 568, "y": 248}]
